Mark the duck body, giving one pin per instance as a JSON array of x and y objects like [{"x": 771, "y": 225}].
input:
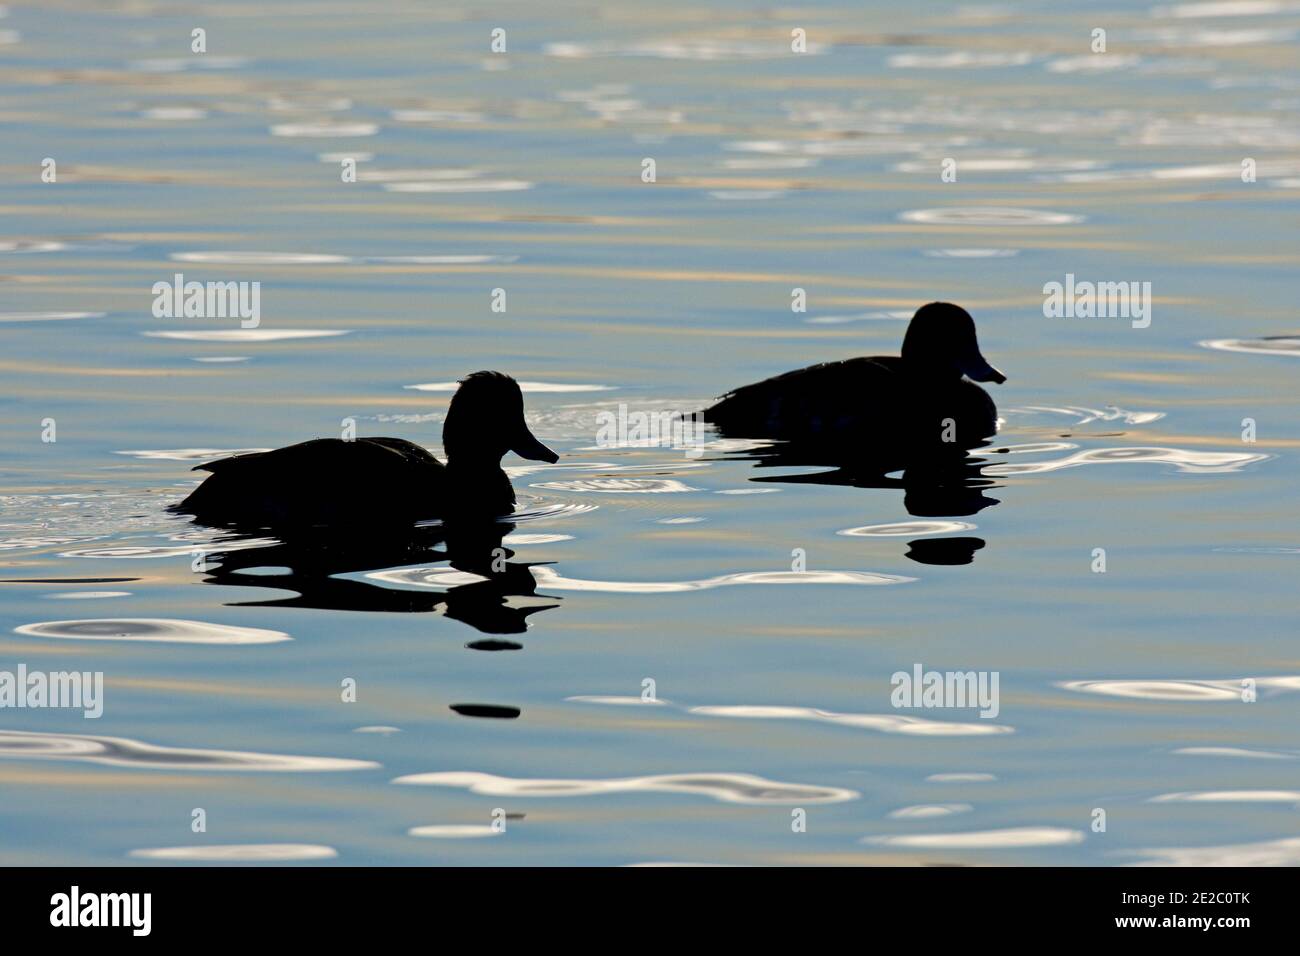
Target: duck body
[
  {"x": 328, "y": 481},
  {"x": 869, "y": 400},
  {"x": 385, "y": 482},
  {"x": 873, "y": 406}
]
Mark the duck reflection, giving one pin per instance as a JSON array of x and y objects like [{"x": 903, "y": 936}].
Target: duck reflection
[
  {"x": 310, "y": 562},
  {"x": 944, "y": 550},
  {"x": 936, "y": 484}
]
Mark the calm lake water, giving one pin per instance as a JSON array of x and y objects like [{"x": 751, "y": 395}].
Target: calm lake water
[{"x": 522, "y": 171}]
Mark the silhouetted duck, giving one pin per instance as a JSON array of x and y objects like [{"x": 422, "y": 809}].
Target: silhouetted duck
[
  {"x": 870, "y": 407},
  {"x": 329, "y": 482}
]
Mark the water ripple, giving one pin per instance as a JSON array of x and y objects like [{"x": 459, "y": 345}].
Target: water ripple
[
  {"x": 31, "y": 245},
  {"x": 1229, "y": 796},
  {"x": 619, "y": 486},
  {"x": 163, "y": 630},
  {"x": 173, "y": 114},
  {"x": 171, "y": 551},
  {"x": 1091, "y": 63},
  {"x": 897, "y": 316},
  {"x": 1269, "y": 345},
  {"x": 558, "y": 509},
  {"x": 460, "y": 186},
  {"x": 988, "y": 216},
  {"x": 958, "y": 60},
  {"x": 1083, "y": 416},
  {"x": 443, "y": 260},
  {"x": 183, "y": 64},
  {"x": 455, "y": 831},
  {"x": 1188, "y": 462},
  {"x": 928, "y": 810},
  {"x": 1283, "y": 852},
  {"x": 1236, "y": 752},
  {"x": 240, "y": 852},
  {"x": 1029, "y": 448},
  {"x": 86, "y": 595},
  {"x": 410, "y": 175},
  {"x": 186, "y": 454},
  {"x": 550, "y": 579},
  {"x": 122, "y": 752},
  {"x": 1181, "y": 690},
  {"x": 885, "y": 723},
  {"x": 529, "y": 539},
  {"x": 1217, "y": 8},
  {"x": 1010, "y": 838},
  {"x": 906, "y": 529},
  {"x": 437, "y": 116},
  {"x": 238, "y": 258},
  {"x": 314, "y": 130},
  {"x": 243, "y": 335},
  {"x": 48, "y": 316},
  {"x": 971, "y": 253},
  {"x": 680, "y": 49},
  {"x": 725, "y": 787}
]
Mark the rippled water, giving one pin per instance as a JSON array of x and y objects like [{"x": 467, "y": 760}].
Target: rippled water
[{"x": 685, "y": 649}]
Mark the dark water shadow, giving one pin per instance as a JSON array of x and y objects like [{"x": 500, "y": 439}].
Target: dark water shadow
[
  {"x": 311, "y": 562},
  {"x": 944, "y": 551},
  {"x": 489, "y": 711}
]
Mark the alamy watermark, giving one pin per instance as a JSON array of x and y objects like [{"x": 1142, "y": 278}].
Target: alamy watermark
[
  {"x": 75, "y": 690},
  {"x": 655, "y": 429},
  {"x": 208, "y": 300},
  {"x": 952, "y": 689},
  {"x": 75, "y": 908},
  {"x": 1098, "y": 300}
]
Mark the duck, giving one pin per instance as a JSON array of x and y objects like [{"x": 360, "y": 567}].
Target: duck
[
  {"x": 924, "y": 399},
  {"x": 378, "y": 482}
]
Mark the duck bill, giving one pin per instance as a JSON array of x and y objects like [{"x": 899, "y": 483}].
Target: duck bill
[
  {"x": 978, "y": 370},
  {"x": 527, "y": 446}
]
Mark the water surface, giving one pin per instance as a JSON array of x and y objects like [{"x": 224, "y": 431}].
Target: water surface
[{"x": 520, "y": 699}]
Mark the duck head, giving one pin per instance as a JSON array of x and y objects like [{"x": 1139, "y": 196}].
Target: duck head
[
  {"x": 940, "y": 342},
  {"x": 485, "y": 420}
]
